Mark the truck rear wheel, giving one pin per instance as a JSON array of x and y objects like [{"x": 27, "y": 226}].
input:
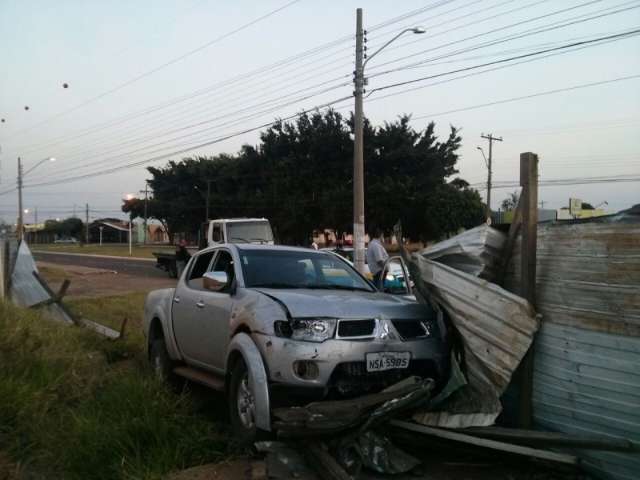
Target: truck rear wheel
[{"x": 161, "y": 363}]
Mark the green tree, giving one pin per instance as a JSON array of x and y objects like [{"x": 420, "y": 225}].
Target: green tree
[
  {"x": 300, "y": 177},
  {"x": 511, "y": 202}
]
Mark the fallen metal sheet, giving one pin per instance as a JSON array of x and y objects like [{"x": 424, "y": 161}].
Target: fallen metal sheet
[
  {"x": 476, "y": 251},
  {"x": 329, "y": 417},
  {"x": 496, "y": 328},
  {"x": 486, "y": 443},
  {"x": 25, "y": 289}
]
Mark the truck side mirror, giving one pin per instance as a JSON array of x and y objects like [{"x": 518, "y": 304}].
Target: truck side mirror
[{"x": 215, "y": 281}]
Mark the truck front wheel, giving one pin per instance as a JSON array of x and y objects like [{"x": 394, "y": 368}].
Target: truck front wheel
[{"x": 242, "y": 408}]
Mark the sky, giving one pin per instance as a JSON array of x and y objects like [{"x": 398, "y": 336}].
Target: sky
[{"x": 154, "y": 81}]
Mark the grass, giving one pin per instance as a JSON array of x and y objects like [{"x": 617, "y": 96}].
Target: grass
[
  {"x": 53, "y": 274},
  {"x": 71, "y": 409},
  {"x": 114, "y": 250}
]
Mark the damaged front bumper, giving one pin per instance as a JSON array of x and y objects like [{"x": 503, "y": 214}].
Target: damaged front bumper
[{"x": 337, "y": 368}]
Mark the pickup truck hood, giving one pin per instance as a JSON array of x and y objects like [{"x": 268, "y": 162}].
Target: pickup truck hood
[{"x": 345, "y": 304}]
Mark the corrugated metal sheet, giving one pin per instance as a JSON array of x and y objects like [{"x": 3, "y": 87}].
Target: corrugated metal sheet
[
  {"x": 588, "y": 275},
  {"x": 587, "y": 353},
  {"x": 25, "y": 290},
  {"x": 475, "y": 251},
  {"x": 496, "y": 326},
  {"x": 588, "y": 382}
]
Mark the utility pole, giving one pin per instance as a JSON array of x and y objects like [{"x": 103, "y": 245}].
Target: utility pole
[
  {"x": 358, "y": 160},
  {"x": 206, "y": 213},
  {"x": 35, "y": 231},
  {"x": 146, "y": 200},
  {"x": 86, "y": 227},
  {"x": 20, "y": 212},
  {"x": 491, "y": 139}
]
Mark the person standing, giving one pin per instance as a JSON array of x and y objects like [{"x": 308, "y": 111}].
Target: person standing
[
  {"x": 376, "y": 254},
  {"x": 182, "y": 257}
]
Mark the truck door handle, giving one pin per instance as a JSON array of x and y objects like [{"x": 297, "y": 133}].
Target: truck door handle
[
  {"x": 176, "y": 299},
  {"x": 200, "y": 304}
]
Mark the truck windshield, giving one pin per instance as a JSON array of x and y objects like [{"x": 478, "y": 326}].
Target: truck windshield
[
  {"x": 299, "y": 269},
  {"x": 249, "y": 232}
]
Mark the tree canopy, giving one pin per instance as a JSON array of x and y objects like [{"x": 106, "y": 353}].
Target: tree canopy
[{"x": 300, "y": 177}]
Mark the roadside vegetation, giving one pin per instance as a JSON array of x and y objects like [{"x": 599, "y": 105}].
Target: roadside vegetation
[
  {"x": 115, "y": 250},
  {"x": 74, "y": 405}
]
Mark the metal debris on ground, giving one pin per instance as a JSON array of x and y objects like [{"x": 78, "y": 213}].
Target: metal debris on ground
[{"x": 28, "y": 289}]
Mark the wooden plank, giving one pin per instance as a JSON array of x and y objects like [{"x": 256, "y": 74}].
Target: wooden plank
[
  {"x": 324, "y": 463},
  {"x": 487, "y": 443},
  {"x": 552, "y": 439},
  {"x": 45, "y": 285},
  {"x": 63, "y": 290}
]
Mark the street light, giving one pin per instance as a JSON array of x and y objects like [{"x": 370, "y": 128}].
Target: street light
[
  {"x": 130, "y": 196},
  {"x": 21, "y": 176},
  {"x": 358, "y": 161},
  {"x": 483, "y": 156}
]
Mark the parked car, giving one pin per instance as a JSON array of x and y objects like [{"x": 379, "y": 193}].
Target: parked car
[
  {"x": 65, "y": 240},
  {"x": 393, "y": 280},
  {"x": 270, "y": 325}
]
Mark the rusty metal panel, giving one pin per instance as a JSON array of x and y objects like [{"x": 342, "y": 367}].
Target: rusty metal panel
[
  {"x": 588, "y": 275},
  {"x": 588, "y": 382}
]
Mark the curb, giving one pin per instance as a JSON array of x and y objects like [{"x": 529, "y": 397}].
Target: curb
[{"x": 113, "y": 257}]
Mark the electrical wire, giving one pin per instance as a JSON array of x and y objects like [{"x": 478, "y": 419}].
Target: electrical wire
[{"x": 173, "y": 61}]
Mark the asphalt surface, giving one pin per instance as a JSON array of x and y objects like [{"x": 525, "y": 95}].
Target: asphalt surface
[{"x": 129, "y": 266}]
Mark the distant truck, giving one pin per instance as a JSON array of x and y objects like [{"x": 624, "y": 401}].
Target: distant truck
[{"x": 219, "y": 231}]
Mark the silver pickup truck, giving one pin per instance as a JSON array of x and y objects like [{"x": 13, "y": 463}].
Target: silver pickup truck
[{"x": 273, "y": 325}]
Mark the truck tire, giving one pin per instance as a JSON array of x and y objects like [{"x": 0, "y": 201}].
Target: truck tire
[
  {"x": 241, "y": 406},
  {"x": 161, "y": 363}
]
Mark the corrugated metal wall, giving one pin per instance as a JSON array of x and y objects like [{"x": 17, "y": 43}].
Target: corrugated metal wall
[
  {"x": 587, "y": 354},
  {"x": 587, "y": 382}
]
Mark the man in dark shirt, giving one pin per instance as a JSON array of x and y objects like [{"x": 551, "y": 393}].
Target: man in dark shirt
[{"x": 182, "y": 256}]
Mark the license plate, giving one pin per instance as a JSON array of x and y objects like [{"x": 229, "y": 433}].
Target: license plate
[{"x": 378, "y": 362}]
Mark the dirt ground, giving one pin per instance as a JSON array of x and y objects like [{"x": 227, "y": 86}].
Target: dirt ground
[{"x": 95, "y": 282}]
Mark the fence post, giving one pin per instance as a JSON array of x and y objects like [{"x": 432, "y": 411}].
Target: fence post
[
  {"x": 529, "y": 202},
  {"x": 4, "y": 268}
]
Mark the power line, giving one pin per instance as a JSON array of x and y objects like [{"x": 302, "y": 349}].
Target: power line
[
  {"x": 337, "y": 42},
  {"x": 162, "y": 66},
  {"x": 185, "y": 150},
  {"x": 582, "y": 44},
  {"x": 251, "y": 75},
  {"x": 533, "y": 95},
  {"x": 608, "y": 38}
]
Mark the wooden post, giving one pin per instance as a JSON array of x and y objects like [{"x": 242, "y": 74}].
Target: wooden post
[
  {"x": 529, "y": 203},
  {"x": 5, "y": 259}
]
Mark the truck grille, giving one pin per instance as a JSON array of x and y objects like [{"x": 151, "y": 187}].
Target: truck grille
[
  {"x": 363, "y": 328},
  {"x": 351, "y": 379},
  {"x": 410, "y": 329}
]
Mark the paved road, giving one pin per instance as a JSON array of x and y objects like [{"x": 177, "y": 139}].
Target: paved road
[{"x": 131, "y": 266}]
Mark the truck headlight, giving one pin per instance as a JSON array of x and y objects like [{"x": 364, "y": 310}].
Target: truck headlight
[{"x": 313, "y": 329}]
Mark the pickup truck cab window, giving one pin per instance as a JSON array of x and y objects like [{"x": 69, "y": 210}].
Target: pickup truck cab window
[
  {"x": 200, "y": 265},
  {"x": 299, "y": 269},
  {"x": 224, "y": 263},
  {"x": 216, "y": 233}
]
